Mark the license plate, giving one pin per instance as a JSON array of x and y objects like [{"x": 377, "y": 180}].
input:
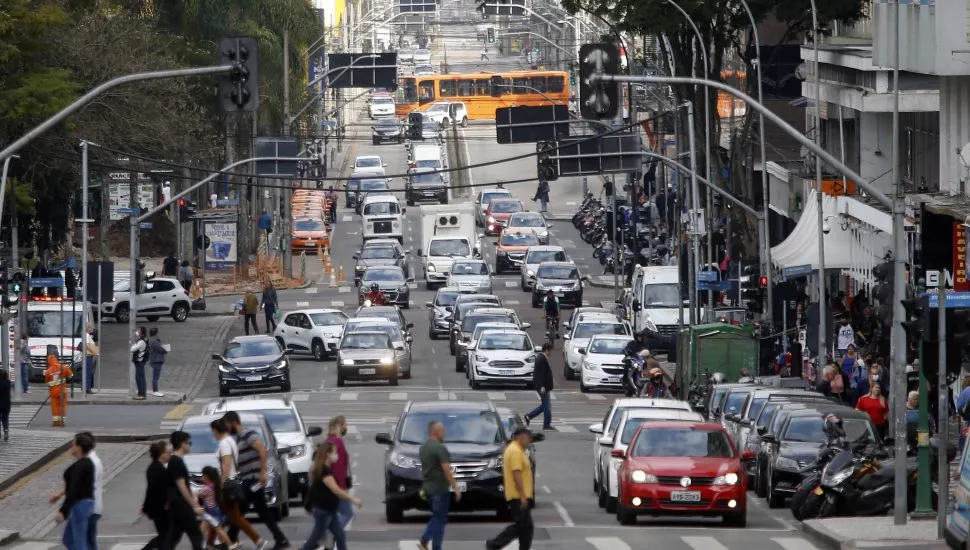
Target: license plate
[
  {"x": 462, "y": 486},
  {"x": 506, "y": 372},
  {"x": 613, "y": 380},
  {"x": 253, "y": 378},
  {"x": 311, "y": 242},
  {"x": 818, "y": 491},
  {"x": 367, "y": 371},
  {"x": 685, "y": 496}
]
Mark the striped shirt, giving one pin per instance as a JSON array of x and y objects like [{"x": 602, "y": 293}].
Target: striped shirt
[{"x": 248, "y": 455}]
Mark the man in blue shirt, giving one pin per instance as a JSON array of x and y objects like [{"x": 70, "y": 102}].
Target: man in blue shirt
[{"x": 265, "y": 221}]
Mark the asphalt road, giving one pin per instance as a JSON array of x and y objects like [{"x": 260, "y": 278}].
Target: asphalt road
[{"x": 567, "y": 516}]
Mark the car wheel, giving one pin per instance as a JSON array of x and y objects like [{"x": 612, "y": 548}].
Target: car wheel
[
  {"x": 410, "y": 202},
  {"x": 602, "y": 495},
  {"x": 444, "y": 200},
  {"x": 376, "y": 141},
  {"x": 535, "y": 301},
  {"x": 583, "y": 387},
  {"x": 498, "y": 269},
  {"x": 464, "y": 122},
  {"x": 567, "y": 372},
  {"x": 340, "y": 380},
  {"x": 476, "y": 385},
  {"x": 625, "y": 515},
  {"x": 319, "y": 351},
  {"x": 451, "y": 346},
  {"x": 736, "y": 519},
  {"x": 611, "y": 504},
  {"x": 121, "y": 314},
  {"x": 596, "y": 486},
  {"x": 458, "y": 366},
  {"x": 393, "y": 379},
  {"x": 406, "y": 375},
  {"x": 522, "y": 285},
  {"x": 406, "y": 305},
  {"x": 393, "y": 513},
  {"x": 760, "y": 484},
  {"x": 428, "y": 285},
  {"x": 151, "y": 318},
  {"x": 774, "y": 499},
  {"x": 281, "y": 342}
]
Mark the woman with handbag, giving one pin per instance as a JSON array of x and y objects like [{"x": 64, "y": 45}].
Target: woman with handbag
[
  {"x": 232, "y": 490},
  {"x": 324, "y": 498}
]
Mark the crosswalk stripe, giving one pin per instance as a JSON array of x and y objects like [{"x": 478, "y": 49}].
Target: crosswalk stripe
[
  {"x": 703, "y": 543},
  {"x": 512, "y": 302},
  {"x": 348, "y": 396},
  {"x": 552, "y": 396},
  {"x": 21, "y": 415},
  {"x": 496, "y": 395},
  {"x": 443, "y": 396},
  {"x": 337, "y": 303},
  {"x": 398, "y": 396},
  {"x": 794, "y": 543},
  {"x": 303, "y": 304},
  {"x": 407, "y": 545},
  {"x": 344, "y": 290},
  {"x": 608, "y": 543},
  {"x": 511, "y": 284},
  {"x": 347, "y": 218},
  {"x": 312, "y": 290},
  {"x": 595, "y": 397},
  {"x": 566, "y": 429},
  {"x": 300, "y": 397}
]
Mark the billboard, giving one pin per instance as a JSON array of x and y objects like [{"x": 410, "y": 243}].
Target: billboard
[
  {"x": 119, "y": 193},
  {"x": 222, "y": 251}
]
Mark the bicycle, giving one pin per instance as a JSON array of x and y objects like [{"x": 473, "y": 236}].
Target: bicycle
[{"x": 552, "y": 329}]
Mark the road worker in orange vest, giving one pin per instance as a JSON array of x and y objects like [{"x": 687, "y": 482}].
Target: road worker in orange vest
[{"x": 56, "y": 377}]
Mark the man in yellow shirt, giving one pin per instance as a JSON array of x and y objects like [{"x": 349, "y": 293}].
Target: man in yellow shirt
[{"x": 519, "y": 493}]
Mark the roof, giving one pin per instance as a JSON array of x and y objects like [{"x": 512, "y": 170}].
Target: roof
[
  {"x": 686, "y": 424},
  {"x": 375, "y": 320},
  {"x": 596, "y": 316},
  {"x": 450, "y": 289},
  {"x": 207, "y": 418},
  {"x": 840, "y": 410},
  {"x": 656, "y": 412},
  {"x": 448, "y": 406},
  {"x": 545, "y": 248},
  {"x": 492, "y": 311},
  {"x": 557, "y": 264},
  {"x": 311, "y": 310},
  {"x": 495, "y": 190},
  {"x": 254, "y": 338},
  {"x": 250, "y": 403},
  {"x": 652, "y": 402},
  {"x": 380, "y": 198},
  {"x": 611, "y": 337}
]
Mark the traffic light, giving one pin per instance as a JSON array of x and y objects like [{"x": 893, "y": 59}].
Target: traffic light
[
  {"x": 917, "y": 320},
  {"x": 17, "y": 283},
  {"x": 239, "y": 90},
  {"x": 546, "y": 167},
  {"x": 415, "y": 125},
  {"x": 763, "y": 281},
  {"x": 496, "y": 85},
  {"x": 598, "y": 100},
  {"x": 490, "y": 35},
  {"x": 187, "y": 210},
  {"x": 882, "y": 291}
]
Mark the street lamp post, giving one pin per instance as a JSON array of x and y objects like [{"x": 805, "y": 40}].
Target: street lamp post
[{"x": 820, "y": 354}]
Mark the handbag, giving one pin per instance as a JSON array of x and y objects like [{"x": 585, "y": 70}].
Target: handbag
[{"x": 232, "y": 488}]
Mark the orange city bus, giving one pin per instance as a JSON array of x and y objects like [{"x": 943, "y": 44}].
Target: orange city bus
[{"x": 418, "y": 92}]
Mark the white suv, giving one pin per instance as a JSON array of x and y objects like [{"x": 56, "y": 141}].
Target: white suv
[
  {"x": 161, "y": 297},
  {"x": 287, "y": 425},
  {"x": 313, "y": 331},
  {"x": 381, "y": 106},
  {"x": 439, "y": 111}
]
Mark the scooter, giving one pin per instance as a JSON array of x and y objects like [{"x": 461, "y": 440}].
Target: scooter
[
  {"x": 806, "y": 502},
  {"x": 633, "y": 376}
]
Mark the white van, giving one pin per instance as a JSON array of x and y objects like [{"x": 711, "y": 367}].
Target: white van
[
  {"x": 655, "y": 305},
  {"x": 428, "y": 155},
  {"x": 381, "y": 216}
]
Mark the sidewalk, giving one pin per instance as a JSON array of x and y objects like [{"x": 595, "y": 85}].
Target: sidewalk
[
  {"x": 25, "y": 452},
  {"x": 874, "y": 532}
]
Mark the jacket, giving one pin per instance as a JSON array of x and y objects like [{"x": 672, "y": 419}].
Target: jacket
[
  {"x": 156, "y": 492},
  {"x": 6, "y": 388},
  {"x": 542, "y": 374},
  {"x": 156, "y": 353},
  {"x": 250, "y": 304}
]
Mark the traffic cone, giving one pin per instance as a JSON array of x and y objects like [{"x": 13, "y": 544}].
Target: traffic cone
[
  {"x": 333, "y": 278},
  {"x": 340, "y": 274},
  {"x": 326, "y": 257}
]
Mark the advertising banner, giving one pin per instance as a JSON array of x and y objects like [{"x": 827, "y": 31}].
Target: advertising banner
[
  {"x": 222, "y": 250},
  {"x": 960, "y": 282}
]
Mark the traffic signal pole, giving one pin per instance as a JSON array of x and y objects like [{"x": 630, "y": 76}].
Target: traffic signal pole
[{"x": 943, "y": 420}]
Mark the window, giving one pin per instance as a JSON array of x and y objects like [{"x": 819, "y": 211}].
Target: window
[
  {"x": 407, "y": 92},
  {"x": 161, "y": 286},
  {"x": 426, "y": 91},
  {"x": 539, "y": 83},
  {"x": 483, "y": 87},
  {"x": 237, "y": 350},
  {"x": 328, "y": 318},
  {"x": 47, "y": 324},
  {"x": 446, "y": 298},
  {"x": 308, "y": 225},
  {"x": 555, "y": 85},
  {"x": 505, "y": 341},
  {"x": 447, "y": 88},
  {"x": 540, "y": 256},
  {"x": 462, "y": 427},
  {"x": 393, "y": 275},
  {"x": 292, "y": 320},
  {"x": 469, "y": 268},
  {"x": 378, "y": 253},
  {"x": 382, "y": 209},
  {"x": 558, "y": 272},
  {"x": 734, "y": 402},
  {"x": 505, "y": 87},
  {"x": 588, "y": 330},
  {"x": 519, "y": 239},
  {"x": 466, "y": 88},
  {"x": 281, "y": 420},
  {"x": 305, "y": 322},
  {"x": 607, "y": 345},
  {"x": 366, "y": 340},
  {"x": 521, "y": 86}
]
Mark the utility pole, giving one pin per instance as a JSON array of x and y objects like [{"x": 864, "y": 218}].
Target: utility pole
[
  {"x": 284, "y": 211},
  {"x": 692, "y": 227}
]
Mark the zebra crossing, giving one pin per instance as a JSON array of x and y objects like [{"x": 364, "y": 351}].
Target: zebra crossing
[{"x": 22, "y": 415}]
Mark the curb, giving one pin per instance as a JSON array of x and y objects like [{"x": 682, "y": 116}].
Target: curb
[
  {"x": 9, "y": 537},
  {"x": 217, "y": 343},
  {"x": 815, "y": 530},
  {"x": 821, "y": 534}
]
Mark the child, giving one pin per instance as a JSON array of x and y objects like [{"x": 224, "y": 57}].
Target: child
[{"x": 214, "y": 519}]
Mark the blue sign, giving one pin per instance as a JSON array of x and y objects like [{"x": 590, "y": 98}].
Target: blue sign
[
  {"x": 46, "y": 282},
  {"x": 954, "y": 300},
  {"x": 707, "y": 276},
  {"x": 145, "y": 225},
  {"x": 127, "y": 211},
  {"x": 797, "y": 270},
  {"x": 717, "y": 286}
]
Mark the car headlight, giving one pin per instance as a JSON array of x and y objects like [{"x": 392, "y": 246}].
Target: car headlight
[
  {"x": 440, "y": 315},
  {"x": 837, "y": 477},
  {"x": 297, "y": 452},
  {"x": 729, "y": 478},
  {"x": 495, "y": 462},
  {"x": 404, "y": 461},
  {"x": 588, "y": 366},
  {"x": 358, "y": 268},
  {"x": 651, "y": 326},
  {"x": 491, "y": 219},
  {"x": 480, "y": 358},
  {"x": 347, "y": 362},
  {"x": 279, "y": 365},
  {"x": 431, "y": 268},
  {"x": 530, "y": 273},
  {"x": 539, "y": 286},
  {"x": 387, "y": 361},
  {"x": 530, "y": 359},
  {"x": 404, "y": 288},
  {"x": 639, "y": 476},
  {"x": 368, "y": 303},
  {"x": 783, "y": 463},
  {"x": 224, "y": 368}
]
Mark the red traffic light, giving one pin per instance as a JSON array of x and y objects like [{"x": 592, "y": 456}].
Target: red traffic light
[
  {"x": 181, "y": 202},
  {"x": 763, "y": 281}
]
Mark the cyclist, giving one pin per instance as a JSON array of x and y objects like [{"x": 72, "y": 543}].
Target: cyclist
[
  {"x": 375, "y": 296},
  {"x": 550, "y": 306}
]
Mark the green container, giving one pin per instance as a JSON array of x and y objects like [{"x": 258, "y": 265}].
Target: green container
[{"x": 716, "y": 347}]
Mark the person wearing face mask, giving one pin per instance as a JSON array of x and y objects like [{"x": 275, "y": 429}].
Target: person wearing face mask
[
  {"x": 139, "y": 356},
  {"x": 656, "y": 387},
  {"x": 324, "y": 499},
  {"x": 336, "y": 430}
]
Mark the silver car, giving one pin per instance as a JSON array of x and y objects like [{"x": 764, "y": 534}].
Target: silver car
[
  {"x": 440, "y": 310},
  {"x": 471, "y": 276},
  {"x": 366, "y": 356},
  {"x": 535, "y": 256},
  {"x": 530, "y": 221},
  {"x": 401, "y": 342}
]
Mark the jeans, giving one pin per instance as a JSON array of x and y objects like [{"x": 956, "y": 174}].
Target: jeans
[
  {"x": 270, "y": 311},
  {"x": 258, "y": 499},
  {"x": 93, "y": 531},
  {"x": 543, "y": 202},
  {"x": 156, "y": 374},
  {"x": 325, "y": 521},
  {"x": 522, "y": 528},
  {"x": 247, "y": 319},
  {"x": 25, "y": 376},
  {"x": 89, "y": 373},
  {"x": 544, "y": 408},
  {"x": 434, "y": 532},
  {"x": 76, "y": 527},
  {"x": 140, "y": 377}
]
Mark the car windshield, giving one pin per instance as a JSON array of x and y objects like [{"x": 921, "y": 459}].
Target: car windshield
[
  {"x": 446, "y": 298},
  {"x": 765, "y": 416},
  {"x": 685, "y": 442},
  {"x": 735, "y": 400},
  {"x": 631, "y": 427},
  {"x": 519, "y": 239},
  {"x": 46, "y": 324},
  {"x": 392, "y": 331},
  {"x": 661, "y": 295},
  {"x": 506, "y": 207},
  {"x": 778, "y": 420},
  {"x": 428, "y": 163},
  {"x": 353, "y": 185},
  {"x": 328, "y": 318},
  {"x": 557, "y": 272},
  {"x": 382, "y": 101},
  {"x": 365, "y": 341},
  {"x": 539, "y": 256},
  {"x": 203, "y": 442},
  {"x": 426, "y": 178},
  {"x": 607, "y": 345},
  {"x": 368, "y": 162},
  {"x": 588, "y": 330},
  {"x": 308, "y": 225},
  {"x": 489, "y": 197},
  {"x": 238, "y": 350},
  {"x": 438, "y": 107},
  {"x": 389, "y": 275},
  {"x": 465, "y": 307},
  {"x": 482, "y": 428},
  {"x": 449, "y": 247},
  {"x": 509, "y": 341},
  {"x": 527, "y": 221},
  {"x": 472, "y": 321},
  {"x": 378, "y": 253},
  {"x": 382, "y": 209},
  {"x": 281, "y": 420},
  {"x": 811, "y": 429},
  {"x": 469, "y": 268},
  {"x": 374, "y": 185}
]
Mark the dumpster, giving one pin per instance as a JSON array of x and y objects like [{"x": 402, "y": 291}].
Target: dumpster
[{"x": 716, "y": 347}]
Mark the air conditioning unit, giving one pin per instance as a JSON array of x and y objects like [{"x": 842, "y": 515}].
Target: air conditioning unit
[{"x": 447, "y": 220}]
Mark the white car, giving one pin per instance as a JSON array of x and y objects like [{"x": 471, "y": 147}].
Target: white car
[
  {"x": 401, "y": 342},
  {"x": 461, "y": 358},
  {"x": 368, "y": 164},
  {"x": 612, "y": 420},
  {"x": 485, "y": 197},
  {"x": 603, "y": 362},
  {"x": 421, "y": 57},
  {"x": 536, "y": 256},
  {"x": 530, "y": 221},
  {"x": 630, "y": 421},
  {"x": 289, "y": 429},
  {"x": 405, "y": 55},
  {"x": 470, "y": 276},
  {"x": 502, "y": 357},
  {"x": 381, "y": 107},
  {"x": 423, "y": 70},
  {"x": 578, "y": 336},
  {"x": 313, "y": 331},
  {"x": 439, "y": 112},
  {"x": 162, "y": 297}
]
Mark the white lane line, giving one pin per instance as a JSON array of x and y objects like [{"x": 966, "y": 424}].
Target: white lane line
[
  {"x": 303, "y": 304},
  {"x": 552, "y": 396},
  {"x": 608, "y": 543},
  {"x": 546, "y": 490},
  {"x": 595, "y": 397},
  {"x": 511, "y": 284},
  {"x": 347, "y": 218},
  {"x": 312, "y": 290},
  {"x": 434, "y": 351},
  {"x": 566, "y": 520},
  {"x": 566, "y": 429},
  {"x": 406, "y": 545},
  {"x": 512, "y": 302},
  {"x": 300, "y": 397},
  {"x": 443, "y": 396},
  {"x": 794, "y": 543},
  {"x": 703, "y": 543},
  {"x": 348, "y": 396},
  {"x": 412, "y": 286},
  {"x": 496, "y": 395},
  {"x": 398, "y": 396},
  {"x": 567, "y": 243},
  {"x": 571, "y": 203},
  {"x": 323, "y": 384},
  {"x": 344, "y": 290},
  {"x": 337, "y": 303},
  {"x": 440, "y": 385}
]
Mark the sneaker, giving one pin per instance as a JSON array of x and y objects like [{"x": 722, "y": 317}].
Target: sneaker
[
  {"x": 281, "y": 545},
  {"x": 139, "y": 398},
  {"x": 158, "y": 394},
  {"x": 549, "y": 429},
  {"x": 422, "y": 545},
  {"x": 527, "y": 420},
  {"x": 261, "y": 545}
]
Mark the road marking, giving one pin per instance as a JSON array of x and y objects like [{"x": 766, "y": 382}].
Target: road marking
[
  {"x": 412, "y": 286},
  {"x": 347, "y": 218},
  {"x": 398, "y": 396},
  {"x": 566, "y": 520},
  {"x": 344, "y": 290},
  {"x": 571, "y": 203},
  {"x": 303, "y": 304},
  {"x": 566, "y": 429},
  {"x": 595, "y": 397},
  {"x": 567, "y": 243},
  {"x": 586, "y": 303},
  {"x": 337, "y": 303},
  {"x": 312, "y": 290},
  {"x": 607, "y": 543},
  {"x": 546, "y": 490},
  {"x": 300, "y": 397},
  {"x": 444, "y": 396},
  {"x": 511, "y": 284},
  {"x": 512, "y": 302},
  {"x": 178, "y": 412},
  {"x": 323, "y": 384},
  {"x": 496, "y": 395},
  {"x": 348, "y": 396},
  {"x": 353, "y": 232},
  {"x": 703, "y": 543},
  {"x": 434, "y": 351},
  {"x": 552, "y": 396},
  {"x": 794, "y": 543}
]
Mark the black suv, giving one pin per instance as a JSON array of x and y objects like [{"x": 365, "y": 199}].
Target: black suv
[
  {"x": 425, "y": 184},
  {"x": 253, "y": 363},
  {"x": 475, "y": 435}
]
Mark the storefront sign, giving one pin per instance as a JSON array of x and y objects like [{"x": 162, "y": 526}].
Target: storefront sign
[{"x": 960, "y": 282}]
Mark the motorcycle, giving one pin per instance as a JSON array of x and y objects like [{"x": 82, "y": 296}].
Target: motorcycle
[
  {"x": 699, "y": 389},
  {"x": 633, "y": 376},
  {"x": 806, "y": 502}
]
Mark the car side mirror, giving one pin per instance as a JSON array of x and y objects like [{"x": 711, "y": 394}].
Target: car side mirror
[
  {"x": 565, "y": 325},
  {"x": 606, "y": 440},
  {"x": 748, "y": 455},
  {"x": 584, "y": 278},
  {"x": 618, "y": 453},
  {"x": 595, "y": 428},
  {"x": 428, "y": 305},
  {"x": 410, "y": 279},
  {"x": 538, "y": 438},
  {"x": 383, "y": 438},
  {"x": 526, "y": 325},
  {"x": 409, "y": 325},
  {"x": 404, "y": 210},
  {"x": 700, "y": 409},
  {"x": 420, "y": 253},
  {"x": 537, "y": 349},
  {"x": 732, "y": 417},
  {"x": 768, "y": 438},
  {"x": 314, "y": 431},
  {"x": 565, "y": 337},
  {"x": 449, "y": 308},
  {"x": 581, "y": 351},
  {"x": 356, "y": 282},
  {"x": 356, "y": 256},
  {"x": 217, "y": 357}
]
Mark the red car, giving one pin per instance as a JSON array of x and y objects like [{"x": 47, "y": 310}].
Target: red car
[
  {"x": 498, "y": 213},
  {"x": 682, "y": 468}
]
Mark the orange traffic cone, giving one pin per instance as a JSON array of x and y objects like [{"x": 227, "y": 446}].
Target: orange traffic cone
[
  {"x": 340, "y": 275},
  {"x": 333, "y": 278}
]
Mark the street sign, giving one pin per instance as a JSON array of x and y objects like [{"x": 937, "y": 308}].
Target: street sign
[
  {"x": 531, "y": 124},
  {"x": 716, "y": 286},
  {"x": 128, "y": 211},
  {"x": 503, "y": 7},
  {"x": 46, "y": 282},
  {"x": 276, "y": 147},
  {"x": 145, "y": 225},
  {"x": 797, "y": 270},
  {"x": 615, "y": 153},
  {"x": 954, "y": 300},
  {"x": 707, "y": 276},
  {"x": 363, "y": 70}
]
